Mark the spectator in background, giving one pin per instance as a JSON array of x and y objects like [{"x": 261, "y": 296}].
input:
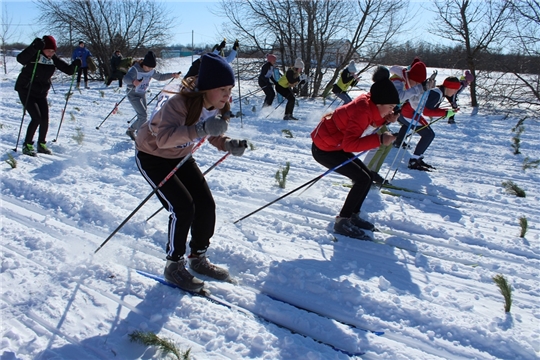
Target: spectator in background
[
  {"x": 116, "y": 73},
  {"x": 82, "y": 53}
]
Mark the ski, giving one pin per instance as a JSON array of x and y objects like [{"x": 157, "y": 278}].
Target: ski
[
  {"x": 219, "y": 301},
  {"x": 394, "y": 187}
]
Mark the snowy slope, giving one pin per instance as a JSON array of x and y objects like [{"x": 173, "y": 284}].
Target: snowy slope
[{"x": 427, "y": 284}]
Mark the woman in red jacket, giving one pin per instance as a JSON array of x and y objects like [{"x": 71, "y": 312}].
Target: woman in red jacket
[{"x": 350, "y": 129}]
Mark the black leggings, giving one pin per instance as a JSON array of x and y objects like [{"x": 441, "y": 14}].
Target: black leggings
[
  {"x": 188, "y": 199},
  {"x": 270, "y": 94},
  {"x": 82, "y": 70},
  {"x": 289, "y": 95},
  {"x": 38, "y": 108},
  {"x": 354, "y": 170}
]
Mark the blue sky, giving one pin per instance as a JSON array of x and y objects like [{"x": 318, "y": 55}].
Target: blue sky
[
  {"x": 204, "y": 24},
  {"x": 189, "y": 16}
]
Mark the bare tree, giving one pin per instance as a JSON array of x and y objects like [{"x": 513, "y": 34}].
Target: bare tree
[
  {"x": 106, "y": 25},
  {"x": 478, "y": 26},
  {"x": 5, "y": 35},
  {"x": 311, "y": 30}
]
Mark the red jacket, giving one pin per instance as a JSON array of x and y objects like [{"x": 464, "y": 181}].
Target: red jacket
[{"x": 343, "y": 129}]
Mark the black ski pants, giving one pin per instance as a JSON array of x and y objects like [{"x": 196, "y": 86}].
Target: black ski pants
[
  {"x": 355, "y": 170},
  {"x": 289, "y": 95},
  {"x": 38, "y": 109},
  {"x": 270, "y": 94},
  {"x": 188, "y": 199},
  {"x": 82, "y": 70}
]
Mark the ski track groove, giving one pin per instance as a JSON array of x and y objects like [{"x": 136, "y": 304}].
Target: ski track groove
[
  {"x": 404, "y": 339},
  {"x": 51, "y": 270}
]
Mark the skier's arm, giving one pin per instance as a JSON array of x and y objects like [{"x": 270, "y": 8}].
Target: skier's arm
[
  {"x": 27, "y": 55},
  {"x": 63, "y": 66}
]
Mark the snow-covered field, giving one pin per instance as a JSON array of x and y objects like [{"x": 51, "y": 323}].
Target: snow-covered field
[{"x": 428, "y": 287}]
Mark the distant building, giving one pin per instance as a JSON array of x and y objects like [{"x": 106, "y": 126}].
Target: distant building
[
  {"x": 334, "y": 54},
  {"x": 173, "y": 53}
]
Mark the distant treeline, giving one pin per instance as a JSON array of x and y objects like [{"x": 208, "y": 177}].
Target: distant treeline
[
  {"x": 447, "y": 57},
  {"x": 436, "y": 56}
]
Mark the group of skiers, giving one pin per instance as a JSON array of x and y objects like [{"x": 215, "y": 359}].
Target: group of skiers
[{"x": 200, "y": 111}]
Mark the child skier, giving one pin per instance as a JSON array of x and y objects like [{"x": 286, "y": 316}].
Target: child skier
[
  {"x": 465, "y": 81},
  {"x": 200, "y": 110},
  {"x": 266, "y": 79},
  {"x": 434, "y": 98},
  {"x": 33, "y": 88},
  {"x": 347, "y": 79},
  {"x": 287, "y": 82},
  {"x": 137, "y": 81},
  {"x": 348, "y": 130}
]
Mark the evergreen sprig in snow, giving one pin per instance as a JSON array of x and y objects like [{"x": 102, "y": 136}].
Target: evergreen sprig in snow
[{"x": 166, "y": 346}]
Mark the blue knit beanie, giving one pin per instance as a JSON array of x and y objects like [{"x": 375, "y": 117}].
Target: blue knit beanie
[{"x": 215, "y": 72}]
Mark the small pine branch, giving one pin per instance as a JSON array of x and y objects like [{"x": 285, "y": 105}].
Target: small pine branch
[
  {"x": 281, "y": 175},
  {"x": 517, "y": 139},
  {"x": 513, "y": 189},
  {"x": 77, "y": 108},
  {"x": 530, "y": 164},
  {"x": 505, "y": 290},
  {"x": 79, "y": 138},
  {"x": 524, "y": 226},
  {"x": 288, "y": 133},
  {"x": 166, "y": 346},
  {"x": 102, "y": 93},
  {"x": 11, "y": 161}
]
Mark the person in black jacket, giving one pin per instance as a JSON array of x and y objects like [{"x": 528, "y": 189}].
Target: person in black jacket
[
  {"x": 347, "y": 79},
  {"x": 116, "y": 73},
  {"x": 34, "y": 87},
  {"x": 287, "y": 82},
  {"x": 266, "y": 79}
]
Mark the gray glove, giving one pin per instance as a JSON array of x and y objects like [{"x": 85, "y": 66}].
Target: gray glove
[
  {"x": 213, "y": 126},
  {"x": 236, "y": 147}
]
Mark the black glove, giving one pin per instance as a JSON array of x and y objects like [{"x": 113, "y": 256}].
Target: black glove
[
  {"x": 38, "y": 44},
  {"x": 222, "y": 45},
  {"x": 236, "y": 45},
  {"x": 236, "y": 147},
  {"x": 302, "y": 82},
  {"x": 213, "y": 126},
  {"x": 77, "y": 63}
]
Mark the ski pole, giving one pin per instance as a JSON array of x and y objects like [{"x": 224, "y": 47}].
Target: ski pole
[
  {"x": 27, "y": 98},
  {"x": 249, "y": 94},
  {"x": 239, "y": 92},
  {"x": 206, "y": 172},
  {"x": 115, "y": 109},
  {"x": 416, "y": 117},
  {"x": 171, "y": 174},
  {"x": 154, "y": 98},
  {"x": 282, "y": 101},
  {"x": 310, "y": 182},
  {"x": 65, "y": 105}
]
